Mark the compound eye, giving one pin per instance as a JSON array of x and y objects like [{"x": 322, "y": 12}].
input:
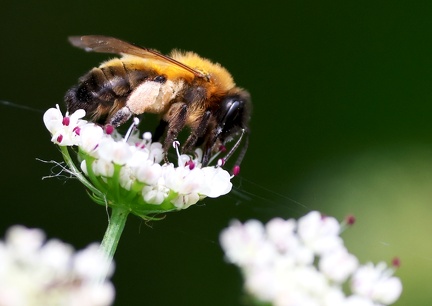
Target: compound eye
[
  {"x": 232, "y": 112},
  {"x": 231, "y": 116}
]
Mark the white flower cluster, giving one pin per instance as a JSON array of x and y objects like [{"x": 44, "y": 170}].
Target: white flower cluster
[
  {"x": 305, "y": 262},
  {"x": 38, "y": 272},
  {"x": 140, "y": 161}
]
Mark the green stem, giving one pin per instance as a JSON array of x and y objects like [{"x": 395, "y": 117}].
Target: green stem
[
  {"x": 65, "y": 152},
  {"x": 113, "y": 232}
]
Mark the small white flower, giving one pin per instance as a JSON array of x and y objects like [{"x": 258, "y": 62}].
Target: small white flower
[
  {"x": 156, "y": 152},
  {"x": 91, "y": 264},
  {"x": 103, "y": 168},
  {"x": 376, "y": 283},
  {"x": 287, "y": 263},
  {"x": 283, "y": 235},
  {"x": 155, "y": 194},
  {"x": 245, "y": 244},
  {"x": 64, "y": 130},
  {"x": 338, "y": 264},
  {"x": 355, "y": 300},
  {"x": 127, "y": 178},
  {"x": 35, "y": 272},
  {"x": 117, "y": 152},
  {"x": 320, "y": 233},
  {"x": 216, "y": 182},
  {"x": 148, "y": 172},
  {"x": 91, "y": 136},
  {"x": 334, "y": 297}
]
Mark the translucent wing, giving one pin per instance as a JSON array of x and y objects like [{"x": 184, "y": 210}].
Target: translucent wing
[{"x": 106, "y": 44}]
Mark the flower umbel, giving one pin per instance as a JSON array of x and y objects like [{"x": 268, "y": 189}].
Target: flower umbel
[
  {"x": 129, "y": 172},
  {"x": 305, "y": 262},
  {"x": 38, "y": 272}
]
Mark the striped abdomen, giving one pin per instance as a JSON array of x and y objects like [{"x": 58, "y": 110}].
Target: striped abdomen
[{"x": 104, "y": 90}]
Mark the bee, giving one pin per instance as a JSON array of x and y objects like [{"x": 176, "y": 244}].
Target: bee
[{"x": 185, "y": 89}]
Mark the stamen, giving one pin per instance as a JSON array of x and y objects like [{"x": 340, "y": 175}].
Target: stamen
[
  {"x": 147, "y": 136},
  {"x": 221, "y": 162},
  {"x": 176, "y": 145},
  {"x": 77, "y": 130},
  {"x": 109, "y": 129},
  {"x": 191, "y": 164},
  {"x": 214, "y": 157},
  {"x": 236, "y": 170},
  {"x": 350, "y": 220},
  {"x": 66, "y": 121},
  {"x": 131, "y": 128},
  {"x": 222, "y": 148},
  {"x": 347, "y": 222},
  {"x": 396, "y": 262},
  {"x": 140, "y": 145},
  {"x": 60, "y": 138}
]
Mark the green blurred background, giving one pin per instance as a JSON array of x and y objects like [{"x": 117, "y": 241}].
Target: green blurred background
[{"x": 341, "y": 123}]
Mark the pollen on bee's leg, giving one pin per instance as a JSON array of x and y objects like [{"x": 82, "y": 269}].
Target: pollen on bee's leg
[{"x": 121, "y": 116}]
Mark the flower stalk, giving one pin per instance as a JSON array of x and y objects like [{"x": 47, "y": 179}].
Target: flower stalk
[{"x": 113, "y": 232}]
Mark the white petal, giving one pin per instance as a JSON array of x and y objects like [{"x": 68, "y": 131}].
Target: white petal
[
  {"x": 154, "y": 194},
  {"x": 319, "y": 233},
  {"x": 91, "y": 136},
  {"x": 116, "y": 152},
  {"x": 338, "y": 264},
  {"x": 217, "y": 182},
  {"x": 53, "y": 119},
  {"x": 148, "y": 173},
  {"x": 91, "y": 264}
]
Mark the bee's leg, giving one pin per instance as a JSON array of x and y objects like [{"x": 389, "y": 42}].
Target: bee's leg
[
  {"x": 120, "y": 117},
  {"x": 237, "y": 145},
  {"x": 207, "y": 152},
  {"x": 243, "y": 150},
  {"x": 196, "y": 133},
  {"x": 176, "y": 118}
]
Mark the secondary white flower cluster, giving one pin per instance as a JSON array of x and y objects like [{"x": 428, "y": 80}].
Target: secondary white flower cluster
[
  {"x": 137, "y": 163},
  {"x": 38, "y": 272},
  {"x": 305, "y": 262}
]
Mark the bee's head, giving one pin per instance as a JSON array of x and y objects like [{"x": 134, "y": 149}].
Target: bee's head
[{"x": 233, "y": 115}]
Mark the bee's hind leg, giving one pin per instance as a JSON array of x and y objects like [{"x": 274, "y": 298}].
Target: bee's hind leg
[
  {"x": 120, "y": 117},
  {"x": 197, "y": 133}
]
